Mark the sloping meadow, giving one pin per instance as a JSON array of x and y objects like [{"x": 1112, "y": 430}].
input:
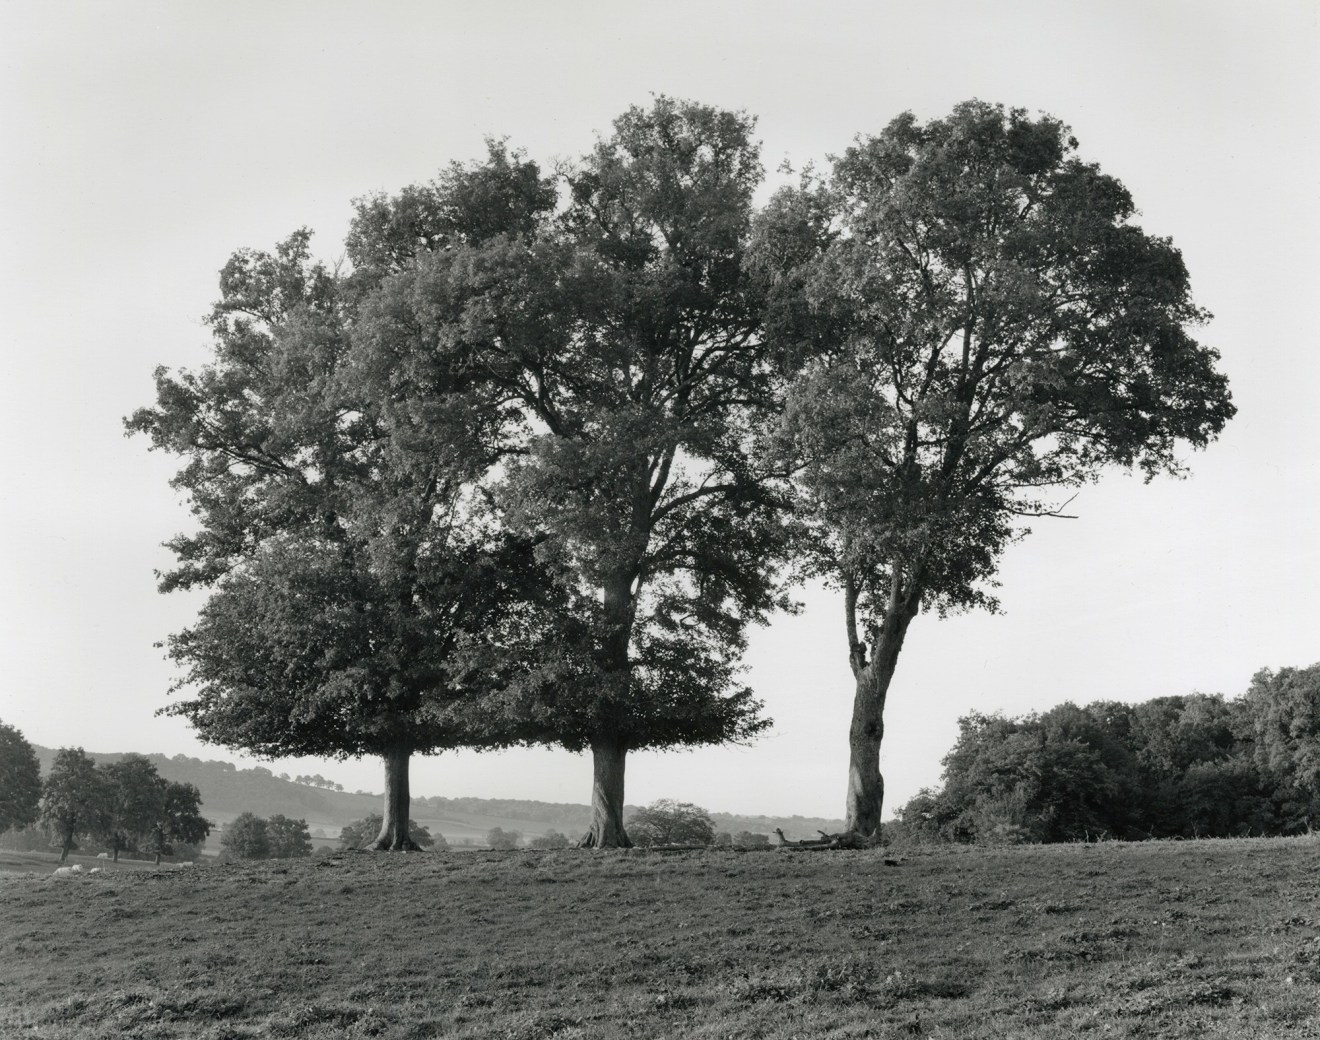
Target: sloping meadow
[{"x": 1189, "y": 939}]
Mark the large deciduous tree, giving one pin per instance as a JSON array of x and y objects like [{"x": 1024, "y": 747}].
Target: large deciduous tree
[
  {"x": 973, "y": 323},
  {"x": 630, "y": 341},
  {"x": 334, "y": 454},
  {"x": 20, "y": 780}
]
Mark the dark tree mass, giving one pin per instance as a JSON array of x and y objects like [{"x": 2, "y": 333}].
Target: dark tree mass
[
  {"x": 1194, "y": 766},
  {"x": 530, "y": 463}
]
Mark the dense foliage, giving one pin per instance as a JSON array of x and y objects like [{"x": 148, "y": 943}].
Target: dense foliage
[
  {"x": 1191, "y": 766},
  {"x": 20, "y": 780},
  {"x": 668, "y": 822}
]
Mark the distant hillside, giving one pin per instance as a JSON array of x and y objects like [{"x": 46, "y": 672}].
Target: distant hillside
[{"x": 227, "y": 791}]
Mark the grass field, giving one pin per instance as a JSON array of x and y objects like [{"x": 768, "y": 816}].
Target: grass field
[{"x": 1193, "y": 939}]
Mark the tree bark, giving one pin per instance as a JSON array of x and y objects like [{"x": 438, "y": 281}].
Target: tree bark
[
  {"x": 64, "y": 851},
  {"x": 607, "y": 763},
  {"x": 866, "y": 784},
  {"x": 394, "y": 835},
  {"x": 609, "y": 750}
]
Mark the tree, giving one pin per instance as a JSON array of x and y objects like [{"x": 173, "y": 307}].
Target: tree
[
  {"x": 180, "y": 824},
  {"x": 628, "y": 337},
  {"x": 972, "y": 324},
  {"x": 667, "y": 822},
  {"x": 551, "y": 839},
  {"x": 245, "y": 837},
  {"x": 361, "y": 833},
  {"x": 333, "y": 455},
  {"x": 499, "y": 838},
  {"x": 288, "y": 839},
  {"x": 20, "y": 780},
  {"x": 1284, "y": 707},
  {"x": 750, "y": 839},
  {"x": 133, "y": 803},
  {"x": 72, "y": 798}
]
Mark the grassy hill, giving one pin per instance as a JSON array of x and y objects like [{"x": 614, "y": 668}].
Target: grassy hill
[
  {"x": 228, "y": 791},
  {"x": 1210, "y": 939}
]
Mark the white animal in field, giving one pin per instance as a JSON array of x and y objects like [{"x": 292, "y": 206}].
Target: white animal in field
[
  {"x": 103, "y": 855},
  {"x": 68, "y": 871}
]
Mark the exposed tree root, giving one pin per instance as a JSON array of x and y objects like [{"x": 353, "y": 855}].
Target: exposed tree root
[
  {"x": 588, "y": 841},
  {"x": 383, "y": 844}
]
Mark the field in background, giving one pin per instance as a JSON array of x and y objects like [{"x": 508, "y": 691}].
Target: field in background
[{"x": 1212, "y": 939}]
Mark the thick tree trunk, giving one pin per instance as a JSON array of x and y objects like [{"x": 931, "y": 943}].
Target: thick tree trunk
[
  {"x": 114, "y": 857},
  {"x": 158, "y": 859},
  {"x": 607, "y": 762},
  {"x": 68, "y": 844},
  {"x": 866, "y": 784},
  {"x": 393, "y": 835}
]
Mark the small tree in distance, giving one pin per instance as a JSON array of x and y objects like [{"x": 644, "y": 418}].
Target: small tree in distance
[
  {"x": 245, "y": 837},
  {"x": 133, "y": 802},
  {"x": 498, "y": 838},
  {"x": 667, "y": 822},
  {"x": 551, "y": 839},
  {"x": 750, "y": 839},
  {"x": 180, "y": 827},
  {"x": 20, "y": 780},
  {"x": 288, "y": 839},
  {"x": 72, "y": 798}
]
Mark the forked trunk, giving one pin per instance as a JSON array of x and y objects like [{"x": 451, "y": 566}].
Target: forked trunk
[
  {"x": 866, "y": 784},
  {"x": 394, "y": 835},
  {"x": 607, "y": 832}
]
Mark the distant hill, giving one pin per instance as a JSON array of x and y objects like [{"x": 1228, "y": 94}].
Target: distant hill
[{"x": 227, "y": 791}]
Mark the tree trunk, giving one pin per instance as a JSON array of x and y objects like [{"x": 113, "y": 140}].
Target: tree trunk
[
  {"x": 607, "y": 762},
  {"x": 394, "y": 835},
  {"x": 68, "y": 844},
  {"x": 158, "y": 859},
  {"x": 114, "y": 858},
  {"x": 866, "y": 784}
]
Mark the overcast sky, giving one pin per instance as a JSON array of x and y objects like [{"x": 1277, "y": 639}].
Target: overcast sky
[{"x": 140, "y": 144}]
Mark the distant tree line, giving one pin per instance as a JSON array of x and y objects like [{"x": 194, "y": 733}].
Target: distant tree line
[
  {"x": 1191, "y": 766},
  {"x": 122, "y": 806}
]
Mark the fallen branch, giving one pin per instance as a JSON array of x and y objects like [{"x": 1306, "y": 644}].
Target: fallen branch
[{"x": 828, "y": 842}]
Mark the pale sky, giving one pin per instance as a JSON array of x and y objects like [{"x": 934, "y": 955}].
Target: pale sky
[{"x": 140, "y": 144}]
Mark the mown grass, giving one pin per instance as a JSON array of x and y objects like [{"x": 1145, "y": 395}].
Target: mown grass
[{"x": 1196, "y": 939}]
